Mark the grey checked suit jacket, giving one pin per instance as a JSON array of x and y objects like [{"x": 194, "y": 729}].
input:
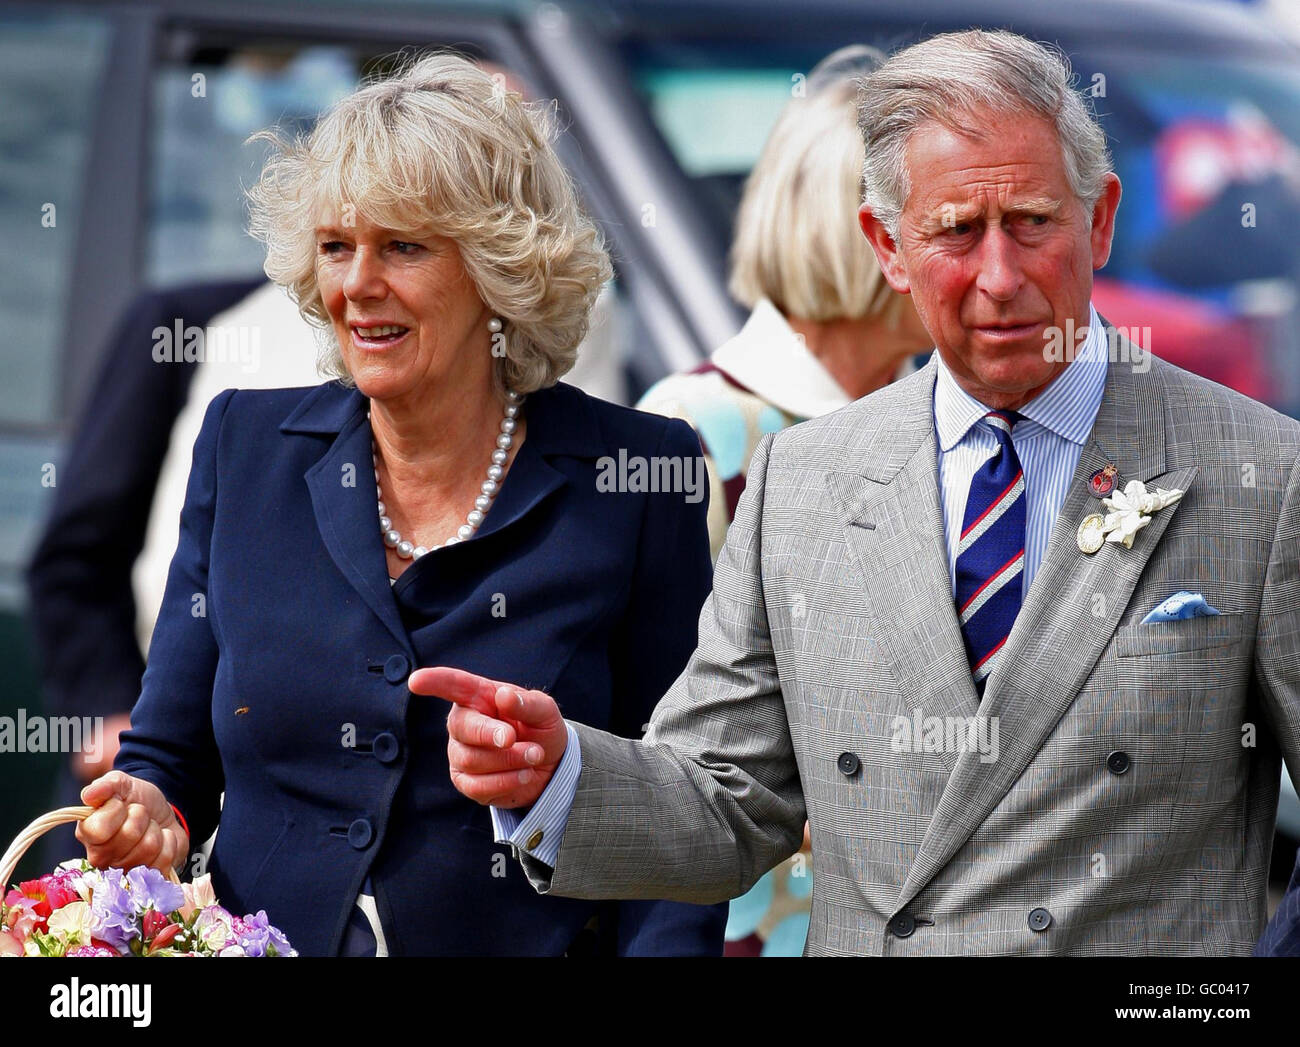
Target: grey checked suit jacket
[{"x": 832, "y": 615}]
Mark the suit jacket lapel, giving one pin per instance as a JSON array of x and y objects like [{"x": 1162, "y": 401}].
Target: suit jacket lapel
[
  {"x": 1069, "y": 616},
  {"x": 561, "y": 423},
  {"x": 893, "y": 523},
  {"x": 347, "y": 520}
]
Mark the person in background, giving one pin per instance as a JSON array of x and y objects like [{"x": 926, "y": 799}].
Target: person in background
[{"x": 824, "y": 329}]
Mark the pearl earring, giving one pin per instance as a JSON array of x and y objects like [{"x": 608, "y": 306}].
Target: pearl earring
[{"x": 495, "y": 325}]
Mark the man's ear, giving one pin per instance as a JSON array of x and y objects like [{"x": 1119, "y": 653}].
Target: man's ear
[
  {"x": 1103, "y": 221},
  {"x": 891, "y": 263}
]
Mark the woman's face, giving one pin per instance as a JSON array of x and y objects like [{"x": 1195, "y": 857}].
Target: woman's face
[{"x": 407, "y": 316}]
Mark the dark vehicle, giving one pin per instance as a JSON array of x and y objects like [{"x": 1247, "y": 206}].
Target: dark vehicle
[{"x": 122, "y": 155}]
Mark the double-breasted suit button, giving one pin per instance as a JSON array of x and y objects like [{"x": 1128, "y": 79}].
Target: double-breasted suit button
[
  {"x": 902, "y": 925},
  {"x": 360, "y": 833},
  {"x": 1118, "y": 762},
  {"x": 848, "y": 763},
  {"x": 1040, "y": 920},
  {"x": 386, "y": 747},
  {"x": 397, "y": 669}
]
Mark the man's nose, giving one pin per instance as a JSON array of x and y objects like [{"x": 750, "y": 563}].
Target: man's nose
[
  {"x": 365, "y": 276},
  {"x": 1000, "y": 275}
]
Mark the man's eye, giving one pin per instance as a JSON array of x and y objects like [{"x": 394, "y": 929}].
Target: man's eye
[
  {"x": 1036, "y": 219},
  {"x": 960, "y": 228}
]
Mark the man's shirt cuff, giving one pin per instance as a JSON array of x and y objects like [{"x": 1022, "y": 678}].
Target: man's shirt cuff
[{"x": 543, "y": 825}]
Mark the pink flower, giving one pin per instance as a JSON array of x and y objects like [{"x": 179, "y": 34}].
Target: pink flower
[
  {"x": 24, "y": 917},
  {"x": 59, "y": 891},
  {"x": 198, "y": 895},
  {"x": 90, "y": 950}
]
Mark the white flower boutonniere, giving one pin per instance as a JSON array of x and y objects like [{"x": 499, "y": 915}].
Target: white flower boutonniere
[{"x": 1130, "y": 511}]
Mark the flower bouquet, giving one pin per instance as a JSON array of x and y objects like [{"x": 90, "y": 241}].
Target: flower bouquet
[{"x": 82, "y": 911}]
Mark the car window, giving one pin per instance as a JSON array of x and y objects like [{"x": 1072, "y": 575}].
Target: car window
[
  {"x": 207, "y": 101},
  {"x": 209, "y": 96},
  {"x": 50, "y": 65}
]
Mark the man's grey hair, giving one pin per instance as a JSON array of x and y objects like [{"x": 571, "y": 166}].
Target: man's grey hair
[{"x": 959, "y": 80}]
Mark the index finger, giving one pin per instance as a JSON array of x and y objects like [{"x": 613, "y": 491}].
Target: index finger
[
  {"x": 104, "y": 788},
  {"x": 457, "y": 685}
]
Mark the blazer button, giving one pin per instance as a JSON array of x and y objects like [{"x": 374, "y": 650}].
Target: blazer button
[
  {"x": 1118, "y": 762},
  {"x": 533, "y": 841},
  {"x": 360, "y": 833},
  {"x": 902, "y": 925},
  {"x": 397, "y": 669},
  {"x": 1040, "y": 920},
  {"x": 848, "y": 764},
  {"x": 386, "y": 747}
]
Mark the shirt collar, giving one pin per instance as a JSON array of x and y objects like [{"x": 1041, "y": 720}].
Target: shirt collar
[
  {"x": 1067, "y": 407},
  {"x": 771, "y": 361}
]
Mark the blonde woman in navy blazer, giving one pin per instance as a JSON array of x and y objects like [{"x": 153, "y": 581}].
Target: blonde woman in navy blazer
[{"x": 444, "y": 500}]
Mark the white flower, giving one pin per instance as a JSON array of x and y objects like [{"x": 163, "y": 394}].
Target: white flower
[
  {"x": 1129, "y": 509},
  {"x": 1121, "y": 527},
  {"x": 72, "y": 923}
]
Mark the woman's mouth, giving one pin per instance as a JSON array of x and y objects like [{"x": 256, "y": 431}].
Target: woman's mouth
[{"x": 377, "y": 336}]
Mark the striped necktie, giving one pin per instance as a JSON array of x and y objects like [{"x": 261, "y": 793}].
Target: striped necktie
[{"x": 991, "y": 553}]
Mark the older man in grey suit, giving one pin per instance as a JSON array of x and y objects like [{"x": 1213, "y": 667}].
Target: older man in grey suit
[{"x": 1019, "y": 635}]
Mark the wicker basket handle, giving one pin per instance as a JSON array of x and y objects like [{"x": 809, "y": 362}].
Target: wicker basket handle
[{"x": 39, "y": 828}]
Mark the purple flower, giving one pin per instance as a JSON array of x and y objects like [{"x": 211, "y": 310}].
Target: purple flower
[
  {"x": 255, "y": 935},
  {"x": 152, "y": 890},
  {"x": 252, "y": 933},
  {"x": 113, "y": 912}
]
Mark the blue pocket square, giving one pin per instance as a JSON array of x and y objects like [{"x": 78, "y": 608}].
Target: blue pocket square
[{"x": 1179, "y": 606}]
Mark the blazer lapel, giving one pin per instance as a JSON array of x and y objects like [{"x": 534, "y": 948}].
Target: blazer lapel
[
  {"x": 346, "y": 515},
  {"x": 561, "y": 423},
  {"x": 893, "y": 523},
  {"x": 1069, "y": 616}
]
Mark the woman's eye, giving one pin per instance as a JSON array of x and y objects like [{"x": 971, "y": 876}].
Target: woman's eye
[
  {"x": 405, "y": 247},
  {"x": 331, "y": 246}
]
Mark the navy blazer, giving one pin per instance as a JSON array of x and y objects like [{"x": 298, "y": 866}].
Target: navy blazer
[
  {"x": 1282, "y": 935},
  {"x": 277, "y": 670}
]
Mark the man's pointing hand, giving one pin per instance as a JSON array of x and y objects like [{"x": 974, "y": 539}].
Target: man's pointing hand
[{"x": 503, "y": 742}]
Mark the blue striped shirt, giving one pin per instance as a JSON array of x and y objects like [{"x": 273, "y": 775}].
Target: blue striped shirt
[
  {"x": 1048, "y": 443},
  {"x": 549, "y": 814}
]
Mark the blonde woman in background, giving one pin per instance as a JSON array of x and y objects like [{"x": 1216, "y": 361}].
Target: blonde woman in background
[{"x": 824, "y": 330}]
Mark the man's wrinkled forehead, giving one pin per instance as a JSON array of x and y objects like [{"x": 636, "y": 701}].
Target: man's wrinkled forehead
[{"x": 962, "y": 174}]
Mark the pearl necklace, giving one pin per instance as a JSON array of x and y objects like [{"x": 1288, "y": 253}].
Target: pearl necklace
[{"x": 408, "y": 550}]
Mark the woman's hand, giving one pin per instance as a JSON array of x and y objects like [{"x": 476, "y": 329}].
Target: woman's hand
[
  {"x": 503, "y": 742},
  {"x": 132, "y": 825}
]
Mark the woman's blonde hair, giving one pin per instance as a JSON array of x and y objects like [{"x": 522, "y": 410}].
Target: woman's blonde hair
[
  {"x": 798, "y": 241},
  {"x": 443, "y": 148}
]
